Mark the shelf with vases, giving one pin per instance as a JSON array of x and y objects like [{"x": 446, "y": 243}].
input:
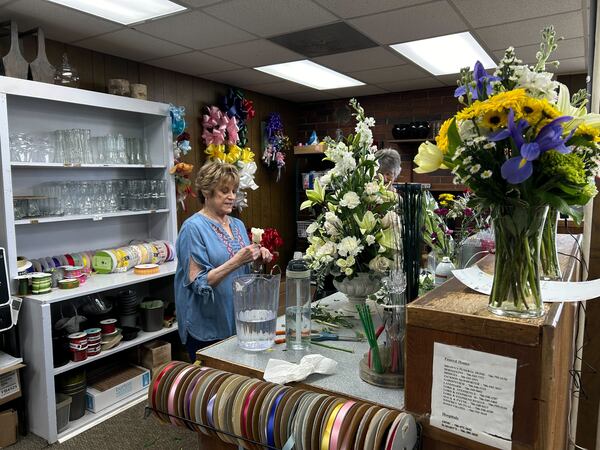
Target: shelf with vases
[
  {"x": 40, "y": 165},
  {"x": 142, "y": 337},
  {"x": 94, "y": 217}
]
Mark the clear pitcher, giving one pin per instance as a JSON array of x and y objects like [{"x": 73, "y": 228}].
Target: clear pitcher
[{"x": 255, "y": 300}]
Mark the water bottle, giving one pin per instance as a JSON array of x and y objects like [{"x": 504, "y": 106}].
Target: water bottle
[{"x": 297, "y": 305}]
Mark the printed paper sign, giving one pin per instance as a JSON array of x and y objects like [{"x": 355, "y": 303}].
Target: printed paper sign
[
  {"x": 9, "y": 384},
  {"x": 473, "y": 393}
]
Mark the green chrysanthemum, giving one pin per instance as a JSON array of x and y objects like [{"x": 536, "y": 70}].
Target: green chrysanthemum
[{"x": 568, "y": 166}]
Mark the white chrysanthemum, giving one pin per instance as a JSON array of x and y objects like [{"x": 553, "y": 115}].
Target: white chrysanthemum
[
  {"x": 350, "y": 200},
  {"x": 371, "y": 187},
  {"x": 349, "y": 246},
  {"x": 475, "y": 168},
  {"x": 486, "y": 174}
]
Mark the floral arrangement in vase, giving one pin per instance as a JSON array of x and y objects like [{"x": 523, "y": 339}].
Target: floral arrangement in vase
[
  {"x": 277, "y": 144},
  {"x": 225, "y": 136},
  {"x": 353, "y": 238},
  {"x": 181, "y": 147},
  {"x": 521, "y": 145}
]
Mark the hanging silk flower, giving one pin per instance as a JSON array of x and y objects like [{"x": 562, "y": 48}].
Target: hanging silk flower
[
  {"x": 181, "y": 147},
  {"x": 277, "y": 144},
  {"x": 225, "y": 136}
]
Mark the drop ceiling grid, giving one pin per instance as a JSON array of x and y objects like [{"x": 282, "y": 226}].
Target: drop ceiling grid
[{"x": 223, "y": 40}]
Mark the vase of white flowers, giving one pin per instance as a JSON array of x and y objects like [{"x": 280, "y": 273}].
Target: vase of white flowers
[{"x": 353, "y": 238}]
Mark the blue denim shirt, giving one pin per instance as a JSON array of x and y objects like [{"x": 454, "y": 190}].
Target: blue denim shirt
[{"x": 206, "y": 312}]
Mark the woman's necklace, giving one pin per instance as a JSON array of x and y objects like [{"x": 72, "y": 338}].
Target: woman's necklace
[{"x": 223, "y": 222}]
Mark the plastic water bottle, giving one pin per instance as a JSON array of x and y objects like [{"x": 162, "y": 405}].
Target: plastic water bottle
[{"x": 297, "y": 305}]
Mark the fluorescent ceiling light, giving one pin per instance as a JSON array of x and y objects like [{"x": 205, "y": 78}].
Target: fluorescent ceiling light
[
  {"x": 444, "y": 55},
  {"x": 125, "y": 12},
  {"x": 310, "y": 74}
]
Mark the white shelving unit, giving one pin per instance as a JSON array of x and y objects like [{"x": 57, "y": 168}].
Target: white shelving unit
[{"x": 32, "y": 107}]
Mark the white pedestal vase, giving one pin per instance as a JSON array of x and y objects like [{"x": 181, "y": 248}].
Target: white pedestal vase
[{"x": 357, "y": 290}]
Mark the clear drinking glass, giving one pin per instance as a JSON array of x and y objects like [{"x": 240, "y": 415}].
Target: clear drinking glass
[
  {"x": 85, "y": 198},
  {"x": 162, "y": 194}
]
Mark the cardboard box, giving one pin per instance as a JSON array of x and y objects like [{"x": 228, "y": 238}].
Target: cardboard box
[
  {"x": 10, "y": 386},
  {"x": 8, "y": 427},
  {"x": 115, "y": 386},
  {"x": 155, "y": 354}
]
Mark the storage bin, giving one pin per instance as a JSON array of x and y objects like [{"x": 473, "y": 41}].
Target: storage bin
[
  {"x": 153, "y": 312},
  {"x": 63, "y": 407}
]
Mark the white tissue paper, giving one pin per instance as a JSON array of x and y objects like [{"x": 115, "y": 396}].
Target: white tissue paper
[{"x": 281, "y": 372}]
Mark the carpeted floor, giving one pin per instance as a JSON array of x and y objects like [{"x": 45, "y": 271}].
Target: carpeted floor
[{"x": 126, "y": 431}]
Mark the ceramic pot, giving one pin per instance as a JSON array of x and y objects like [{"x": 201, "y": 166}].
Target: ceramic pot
[{"x": 358, "y": 289}]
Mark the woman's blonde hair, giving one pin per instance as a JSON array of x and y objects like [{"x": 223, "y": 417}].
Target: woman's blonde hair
[{"x": 214, "y": 174}]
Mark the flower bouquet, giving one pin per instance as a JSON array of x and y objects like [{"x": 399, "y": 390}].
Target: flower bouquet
[
  {"x": 353, "y": 237},
  {"x": 277, "y": 144},
  {"x": 521, "y": 145},
  {"x": 224, "y": 134},
  {"x": 268, "y": 238}
]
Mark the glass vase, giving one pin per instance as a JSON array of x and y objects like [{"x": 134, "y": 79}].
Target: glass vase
[
  {"x": 516, "y": 290},
  {"x": 550, "y": 269}
]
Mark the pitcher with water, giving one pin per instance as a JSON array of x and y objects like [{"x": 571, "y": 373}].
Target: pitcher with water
[{"x": 255, "y": 299}]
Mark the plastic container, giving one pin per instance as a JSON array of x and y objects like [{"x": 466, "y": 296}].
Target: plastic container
[
  {"x": 297, "y": 305},
  {"x": 255, "y": 300},
  {"x": 153, "y": 312},
  {"x": 77, "y": 409},
  {"x": 63, "y": 409}
]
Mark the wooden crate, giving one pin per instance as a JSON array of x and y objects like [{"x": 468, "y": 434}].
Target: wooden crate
[{"x": 455, "y": 315}]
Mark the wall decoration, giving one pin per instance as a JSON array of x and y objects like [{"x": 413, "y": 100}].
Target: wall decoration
[
  {"x": 181, "y": 147},
  {"x": 226, "y": 137},
  {"x": 276, "y": 144}
]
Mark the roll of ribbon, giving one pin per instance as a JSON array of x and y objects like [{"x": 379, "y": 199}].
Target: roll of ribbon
[
  {"x": 68, "y": 283},
  {"x": 271, "y": 419},
  {"x": 210, "y": 410},
  {"x": 329, "y": 427},
  {"x": 146, "y": 269},
  {"x": 339, "y": 420}
]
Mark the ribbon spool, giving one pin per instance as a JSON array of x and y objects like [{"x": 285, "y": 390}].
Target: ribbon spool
[
  {"x": 146, "y": 269},
  {"x": 241, "y": 408}
]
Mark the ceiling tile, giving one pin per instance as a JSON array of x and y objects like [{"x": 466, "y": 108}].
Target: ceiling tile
[
  {"x": 59, "y": 23},
  {"x": 481, "y": 13},
  {"x": 195, "y": 30},
  {"x": 271, "y": 17},
  {"x": 372, "y": 58},
  {"x": 357, "y": 91},
  {"x": 241, "y": 77},
  {"x": 574, "y": 65},
  {"x": 388, "y": 74},
  {"x": 131, "y": 44},
  {"x": 193, "y": 63},
  {"x": 409, "y": 24},
  {"x": 567, "y": 49},
  {"x": 281, "y": 87},
  {"x": 312, "y": 96},
  {"x": 528, "y": 32},
  {"x": 255, "y": 53},
  {"x": 347, "y": 9},
  {"x": 411, "y": 85}
]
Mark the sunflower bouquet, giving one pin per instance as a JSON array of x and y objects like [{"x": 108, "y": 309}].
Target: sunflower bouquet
[{"x": 521, "y": 145}]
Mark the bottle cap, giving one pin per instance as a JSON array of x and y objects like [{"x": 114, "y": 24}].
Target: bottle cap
[{"x": 298, "y": 268}]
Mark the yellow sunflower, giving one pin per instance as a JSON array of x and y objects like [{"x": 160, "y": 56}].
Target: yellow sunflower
[
  {"x": 442, "y": 137},
  {"x": 593, "y": 134},
  {"x": 532, "y": 110},
  {"x": 494, "y": 119}
]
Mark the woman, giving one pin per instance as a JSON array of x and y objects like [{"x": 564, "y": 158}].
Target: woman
[
  {"x": 389, "y": 164},
  {"x": 212, "y": 249}
]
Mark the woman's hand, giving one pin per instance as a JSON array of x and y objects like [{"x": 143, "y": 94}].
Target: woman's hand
[
  {"x": 248, "y": 254},
  {"x": 265, "y": 255}
]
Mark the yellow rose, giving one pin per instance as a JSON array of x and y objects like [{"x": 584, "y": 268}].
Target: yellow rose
[{"x": 429, "y": 158}]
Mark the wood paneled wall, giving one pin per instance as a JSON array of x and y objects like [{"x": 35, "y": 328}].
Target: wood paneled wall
[{"x": 272, "y": 204}]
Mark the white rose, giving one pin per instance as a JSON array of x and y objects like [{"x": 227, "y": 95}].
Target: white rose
[
  {"x": 348, "y": 271},
  {"x": 349, "y": 246},
  {"x": 350, "y": 200},
  {"x": 380, "y": 264},
  {"x": 257, "y": 234},
  {"x": 389, "y": 219}
]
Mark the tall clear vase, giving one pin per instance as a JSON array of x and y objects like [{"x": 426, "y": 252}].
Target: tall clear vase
[
  {"x": 550, "y": 269},
  {"x": 516, "y": 290}
]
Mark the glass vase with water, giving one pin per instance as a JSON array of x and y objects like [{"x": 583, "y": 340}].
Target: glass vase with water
[
  {"x": 297, "y": 305},
  {"x": 255, "y": 300}
]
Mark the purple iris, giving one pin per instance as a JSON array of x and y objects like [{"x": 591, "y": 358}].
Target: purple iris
[
  {"x": 483, "y": 82},
  {"x": 519, "y": 168}
]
